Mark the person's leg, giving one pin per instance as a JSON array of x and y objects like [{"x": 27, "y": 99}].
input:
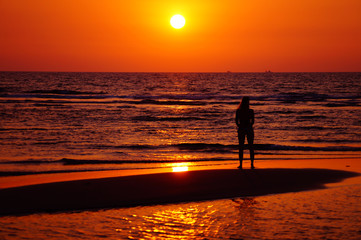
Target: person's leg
[
  {"x": 241, "y": 138},
  {"x": 250, "y": 138}
]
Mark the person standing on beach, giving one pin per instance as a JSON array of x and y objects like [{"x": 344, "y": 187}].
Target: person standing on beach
[{"x": 245, "y": 121}]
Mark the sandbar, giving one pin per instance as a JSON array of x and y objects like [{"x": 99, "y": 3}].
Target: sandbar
[{"x": 163, "y": 188}]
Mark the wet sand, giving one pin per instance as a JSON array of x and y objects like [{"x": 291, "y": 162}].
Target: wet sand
[{"x": 162, "y": 188}]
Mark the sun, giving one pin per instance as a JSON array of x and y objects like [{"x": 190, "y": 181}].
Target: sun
[{"x": 177, "y": 21}]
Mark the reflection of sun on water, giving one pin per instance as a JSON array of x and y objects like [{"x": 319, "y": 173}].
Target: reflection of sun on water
[
  {"x": 195, "y": 221},
  {"x": 180, "y": 169}
]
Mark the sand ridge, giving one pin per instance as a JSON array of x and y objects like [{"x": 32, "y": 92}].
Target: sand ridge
[{"x": 162, "y": 188}]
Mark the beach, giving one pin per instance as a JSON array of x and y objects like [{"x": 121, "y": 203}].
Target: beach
[
  {"x": 168, "y": 187},
  {"x": 146, "y": 193}
]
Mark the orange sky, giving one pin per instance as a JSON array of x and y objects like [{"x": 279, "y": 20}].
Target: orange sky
[{"x": 127, "y": 36}]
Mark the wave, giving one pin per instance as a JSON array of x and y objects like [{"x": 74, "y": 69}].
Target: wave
[
  {"x": 136, "y": 165},
  {"x": 29, "y": 161},
  {"x": 169, "y": 119},
  {"x": 21, "y": 173},
  {"x": 216, "y": 147},
  {"x": 36, "y": 97},
  {"x": 67, "y": 98},
  {"x": 221, "y": 147},
  {"x": 308, "y": 96},
  {"x": 65, "y": 92},
  {"x": 307, "y": 117},
  {"x": 180, "y": 98},
  {"x": 23, "y": 129},
  {"x": 95, "y": 99},
  {"x": 71, "y": 161},
  {"x": 342, "y": 104},
  {"x": 170, "y": 102}
]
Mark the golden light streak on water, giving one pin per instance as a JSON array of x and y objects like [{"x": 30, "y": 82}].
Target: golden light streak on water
[{"x": 180, "y": 169}]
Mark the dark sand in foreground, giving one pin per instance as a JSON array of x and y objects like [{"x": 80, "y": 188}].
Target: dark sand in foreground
[{"x": 162, "y": 188}]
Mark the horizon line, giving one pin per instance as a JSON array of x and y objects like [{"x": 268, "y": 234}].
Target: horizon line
[{"x": 266, "y": 71}]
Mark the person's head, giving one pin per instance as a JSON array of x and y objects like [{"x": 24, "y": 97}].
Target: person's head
[{"x": 244, "y": 105}]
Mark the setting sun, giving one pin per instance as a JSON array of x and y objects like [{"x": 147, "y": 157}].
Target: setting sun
[{"x": 177, "y": 21}]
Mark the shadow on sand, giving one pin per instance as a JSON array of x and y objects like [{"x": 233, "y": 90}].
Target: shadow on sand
[{"x": 162, "y": 188}]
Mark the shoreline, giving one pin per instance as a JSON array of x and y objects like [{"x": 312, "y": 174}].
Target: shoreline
[
  {"x": 347, "y": 164},
  {"x": 172, "y": 187}
]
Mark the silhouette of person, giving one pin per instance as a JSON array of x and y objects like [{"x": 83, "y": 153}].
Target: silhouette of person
[{"x": 245, "y": 121}]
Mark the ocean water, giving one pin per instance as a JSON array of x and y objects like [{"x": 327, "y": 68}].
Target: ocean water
[{"x": 64, "y": 122}]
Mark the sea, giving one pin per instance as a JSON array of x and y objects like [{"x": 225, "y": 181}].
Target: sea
[
  {"x": 60, "y": 122},
  {"x": 65, "y": 122}
]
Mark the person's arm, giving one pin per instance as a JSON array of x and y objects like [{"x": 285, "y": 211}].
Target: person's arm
[
  {"x": 252, "y": 117},
  {"x": 237, "y": 119}
]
